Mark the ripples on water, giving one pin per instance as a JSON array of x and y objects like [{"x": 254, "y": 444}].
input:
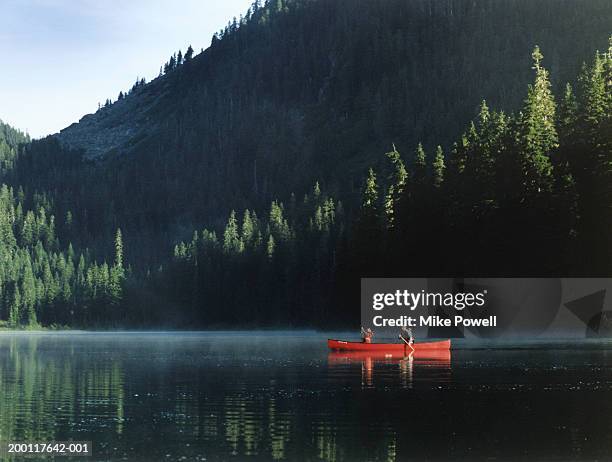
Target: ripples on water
[{"x": 282, "y": 396}]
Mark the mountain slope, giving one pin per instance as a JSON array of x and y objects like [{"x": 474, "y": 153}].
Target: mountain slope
[
  {"x": 300, "y": 90},
  {"x": 303, "y": 90}
]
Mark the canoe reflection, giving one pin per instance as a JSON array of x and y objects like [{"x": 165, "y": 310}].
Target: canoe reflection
[{"x": 427, "y": 362}]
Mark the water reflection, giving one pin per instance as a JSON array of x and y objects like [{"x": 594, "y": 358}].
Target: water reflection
[
  {"x": 438, "y": 362},
  {"x": 263, "y": 396},
  {"x": 45, "y": 396}
]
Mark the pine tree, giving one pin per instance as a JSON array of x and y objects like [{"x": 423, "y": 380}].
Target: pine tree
[
  {"x": 15, "y": 308},
  {"x": 537, "y": 133},
  {"x": 270, "y": 247},
  {"x": 593, "y": 94},
  {"x": 369, "y": 203},
  {"x": 119, "y": 249},
  {"x": 189, "y": 54},
  {"x": 397, "y": 183},
  {"x": 48, "y": 282},
  {"x": 71, "y": 255},
  {"x": 318, "y": 219},
  {"x": 370, "y": 213},
  {"x": 278, "y": 224},
  {"x": 438, "y": 168},
  {"x": 420, "y": 165},
  {"x": 117, "y": 273},
  {"x": 28, "y": 294},
  {"x": 485, "y": 145},
  {"x": 316, "y": 192},
  {"x": 28, "y": 230},
  {"x": 248, "y": 228},
  {"x": 568, "y": 113},
  {"x": 231, "y": 238}
]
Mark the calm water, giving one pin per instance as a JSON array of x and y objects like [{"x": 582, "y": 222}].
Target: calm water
[{"x": 252, "y": 396}]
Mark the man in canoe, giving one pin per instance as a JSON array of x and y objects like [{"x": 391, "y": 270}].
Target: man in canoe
[
  {"x": 366, "y": 335},
  {"x": 406, "y": 335}
]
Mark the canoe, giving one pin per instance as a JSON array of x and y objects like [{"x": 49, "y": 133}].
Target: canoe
[{"x": 341, "y": 345}]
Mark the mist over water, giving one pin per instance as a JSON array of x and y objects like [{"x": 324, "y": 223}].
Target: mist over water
[{"x": 283, "y": 396}]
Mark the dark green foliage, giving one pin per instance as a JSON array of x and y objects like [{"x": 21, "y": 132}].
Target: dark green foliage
[
  {"x": 522, "y": 194},
  {"x": 300, "y": 90},
  {"x": 537, "y": 136},
  {"x": 40, "y": 282},
  {"x": 438, "y": 168},
  {"x": 277, "y": 271},
  {"x": 41, "y": 278},
  {"x": 10, "y": 139},
  {"x": 397, "y": 184}
]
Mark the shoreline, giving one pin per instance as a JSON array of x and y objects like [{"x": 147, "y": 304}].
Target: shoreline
[{"x": 457, "y": 344}]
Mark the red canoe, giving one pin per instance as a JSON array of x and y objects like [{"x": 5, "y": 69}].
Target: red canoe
[{"x": 341, "y": 345}]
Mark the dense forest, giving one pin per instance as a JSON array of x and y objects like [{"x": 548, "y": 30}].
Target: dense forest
[
  {"x": 202, "y": 186},
  {"x": 518, "y": 194},
  {"x": 294, "y": 92}
]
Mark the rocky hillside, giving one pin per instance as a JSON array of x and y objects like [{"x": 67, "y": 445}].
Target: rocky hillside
[{"x": 315, "y": 84}]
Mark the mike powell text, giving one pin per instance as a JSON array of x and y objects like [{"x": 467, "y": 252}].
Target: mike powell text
[{"x": 433, "y": 321}]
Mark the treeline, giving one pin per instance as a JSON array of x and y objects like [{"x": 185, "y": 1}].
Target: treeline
[
  {"x": 518, "y": 194},
  {"x": 42, "y": 283},
  {"x": 176, "y": 60},
  {"x": 277, "y": 270}
]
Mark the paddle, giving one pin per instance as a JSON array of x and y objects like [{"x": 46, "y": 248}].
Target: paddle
[{"x": 407, "y": 343}]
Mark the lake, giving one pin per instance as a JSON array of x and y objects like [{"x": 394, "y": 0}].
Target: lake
[{"x": 281, "y": 396}]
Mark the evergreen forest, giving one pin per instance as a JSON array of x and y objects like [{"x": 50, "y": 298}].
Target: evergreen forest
[{"x": 312, "y": 144}]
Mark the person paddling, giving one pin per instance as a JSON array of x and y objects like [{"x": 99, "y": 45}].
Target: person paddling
[
  {"x": 406, "y": 335},
  {"x": 366, "y": 335}
]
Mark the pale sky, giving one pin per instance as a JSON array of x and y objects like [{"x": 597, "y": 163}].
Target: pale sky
[{"x": 61, "y": 57}]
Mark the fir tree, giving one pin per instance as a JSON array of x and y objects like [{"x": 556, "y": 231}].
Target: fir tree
[
  {"x": 397, "y": 183},
  {"x": 568, "y": 113},
  {"x": 270, "y": 247},
  {"x": 119, "y": 249},
  {"x": 231, "y": 238},
  {"x": 15, "y": 308},
  {"x": 369, "y": 203},
  {"x": 189, "y": 54},
  {"x": 438, "y": 168},
  {"x": 117, "y": 272},
  {"x": 420, "y": 165},
  {"x": 537, "y": 133},
  {"x": 248, "y": 228}
]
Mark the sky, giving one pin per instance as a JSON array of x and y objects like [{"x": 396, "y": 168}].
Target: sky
[{"x": 60, "y": 58}]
